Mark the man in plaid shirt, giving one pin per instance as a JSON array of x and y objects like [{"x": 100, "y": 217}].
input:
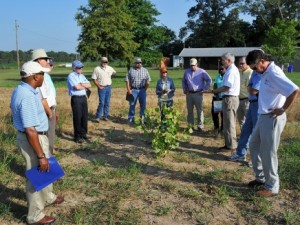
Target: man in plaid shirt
[{"x": 137, "y": 82}]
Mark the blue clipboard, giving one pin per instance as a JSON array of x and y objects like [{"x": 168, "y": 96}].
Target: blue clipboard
[{"x": 40, "y": 180}]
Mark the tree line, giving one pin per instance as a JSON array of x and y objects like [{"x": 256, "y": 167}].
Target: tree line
[{"x": 10, "y": 57}]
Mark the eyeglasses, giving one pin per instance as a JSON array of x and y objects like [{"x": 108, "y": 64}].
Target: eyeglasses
[
  {"x": 138, "y": 63},
  {"x": 104, "y": 62},
  {"x": 242, "y": 63}
]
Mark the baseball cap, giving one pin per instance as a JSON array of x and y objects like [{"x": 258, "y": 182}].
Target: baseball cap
[
  {"x": 193, "y": 61},
  {"x": 137, "y": 60},
  {"x": 104, "y": 59},
  {"x": 38, "y": 54},
  {"x": 30, "y": 68},
  {"x": 77, "y": 64}
]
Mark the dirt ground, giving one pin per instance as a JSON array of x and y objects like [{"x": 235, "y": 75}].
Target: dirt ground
[{"x": 122, "y": 144}]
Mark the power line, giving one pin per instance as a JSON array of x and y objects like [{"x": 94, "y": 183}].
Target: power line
[{"x": 17, "y": 44}]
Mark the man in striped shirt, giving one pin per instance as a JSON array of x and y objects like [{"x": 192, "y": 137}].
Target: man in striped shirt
[{"x": 30, "y": 119}]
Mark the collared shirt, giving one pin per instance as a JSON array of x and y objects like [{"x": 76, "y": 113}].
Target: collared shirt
[
  {"x": 27, "y": 109},
  {"x": 138, "y": 77},
  {"x": 197, "y": 80},
  {"x": 46, "y": 90},
  {"x": 73, "y": 80},
  {"x": 244, "y": 80},
  {"x": 275, "y": 87},
  {"x": 231, "y": 79},
  {"x": 254, "y": 83},
  {"x": 103, "y": 75},
  {"x": 219, "y": 83}
]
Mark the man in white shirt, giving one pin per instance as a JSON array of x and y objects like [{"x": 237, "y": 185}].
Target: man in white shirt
[
  {"x": 230, "y": 102},
  {"x": 48, "y": 94},
  {"x": 276, "y": 94},
  {"x": 102, "y": 79}
]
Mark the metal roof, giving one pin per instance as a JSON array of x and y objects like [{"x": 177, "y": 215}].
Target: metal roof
[{"x": 215, "y": 52}]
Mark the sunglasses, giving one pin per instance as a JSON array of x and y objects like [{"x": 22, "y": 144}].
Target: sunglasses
[
  {"x": 242, "y": 64},
  {"x": 104, "y": 62}
]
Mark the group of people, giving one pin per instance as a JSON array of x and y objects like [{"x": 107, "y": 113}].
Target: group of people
[{"x": 257, "y": 98}]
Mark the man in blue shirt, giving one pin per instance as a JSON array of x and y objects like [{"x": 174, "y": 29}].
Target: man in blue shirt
[
  {"x": 195, "y": 80},
  {"x": 77, "y": 85},
  {"x": 251, "y": 119},
  {"x": 30, "y": 119}
]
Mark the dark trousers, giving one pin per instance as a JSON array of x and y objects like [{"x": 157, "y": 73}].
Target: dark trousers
[
  {"x": 80, "y": 116},
  {"x": 216, "y": 117}
]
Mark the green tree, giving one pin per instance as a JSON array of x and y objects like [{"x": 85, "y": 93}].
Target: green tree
[
  {"x": 107, "y": 30},
  {"x": 281, "y": 41},
  {"x": 214, "y": 23}
]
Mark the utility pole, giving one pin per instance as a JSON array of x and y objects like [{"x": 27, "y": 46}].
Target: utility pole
[{"x": 17, "y": 44}]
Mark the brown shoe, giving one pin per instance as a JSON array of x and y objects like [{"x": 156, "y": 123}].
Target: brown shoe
[
  {"x": 45, "y": 220},
  {"x": 255, "y": 183},
  {"x": 266, "y": 193},
  {"x": 59, "y": 199}
]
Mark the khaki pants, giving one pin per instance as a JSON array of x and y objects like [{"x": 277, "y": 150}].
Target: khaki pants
[
  {"x": 36, "y": 200},
  {"x": 230, "y": 105}
]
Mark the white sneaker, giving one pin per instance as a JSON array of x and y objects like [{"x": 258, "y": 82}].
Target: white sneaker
[{"x": 237, "y": 158}]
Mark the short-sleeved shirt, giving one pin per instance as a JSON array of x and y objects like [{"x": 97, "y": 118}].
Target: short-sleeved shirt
[
  {"x": 27, "y": 109},
  {"x": 275, "y": 87},
  {"x": 231, "y": 79},
  {"x": 73, "y": 80},
  {"x": 103, "y": 75},
  {"x": 46, "y": 91},
  {"x": 197, "y": 80},
  {"x": 138, "y": 77},
  {"x": 219, "y": 82},
  {"x": 244, "y": 80},
  {"x": 254, "y": 83}
]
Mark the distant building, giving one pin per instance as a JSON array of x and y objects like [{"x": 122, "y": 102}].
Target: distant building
[{"x": 210, "y": 58}]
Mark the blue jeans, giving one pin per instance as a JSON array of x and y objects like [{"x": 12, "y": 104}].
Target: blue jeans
[
  {"x": 138, "y": 94},
  {"x": 104, "y": 100},
  {"x": 250, "y": 122}
]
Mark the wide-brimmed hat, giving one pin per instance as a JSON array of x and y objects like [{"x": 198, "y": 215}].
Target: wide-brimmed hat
[{"x": 38, "y": 54}]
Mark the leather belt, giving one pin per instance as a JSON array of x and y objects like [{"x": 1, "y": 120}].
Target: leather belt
[
  {"x": 243, "y": 99},
  {"x": 78, "y": 96},
  {"x": 138, "y": 88},
  {"x": 39, "y": 132},
  {"x": 253, "y": 100},
  {"x": 194, "y": 92},
  {"x": 227, "y": 96}
]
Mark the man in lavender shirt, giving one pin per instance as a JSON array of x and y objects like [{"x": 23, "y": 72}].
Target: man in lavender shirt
[{"x": 194, "y": 81}]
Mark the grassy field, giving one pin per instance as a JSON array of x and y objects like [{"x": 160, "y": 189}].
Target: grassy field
[
  {"x": 10, "y": 77},
  {"x": 115, "y": 179}
]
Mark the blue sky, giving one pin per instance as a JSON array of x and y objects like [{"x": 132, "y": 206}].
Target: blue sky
[{"x": 51, "y": 24}]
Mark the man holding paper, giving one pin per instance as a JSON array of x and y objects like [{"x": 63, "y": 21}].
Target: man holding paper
[{"x": 30, "y": 119}]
